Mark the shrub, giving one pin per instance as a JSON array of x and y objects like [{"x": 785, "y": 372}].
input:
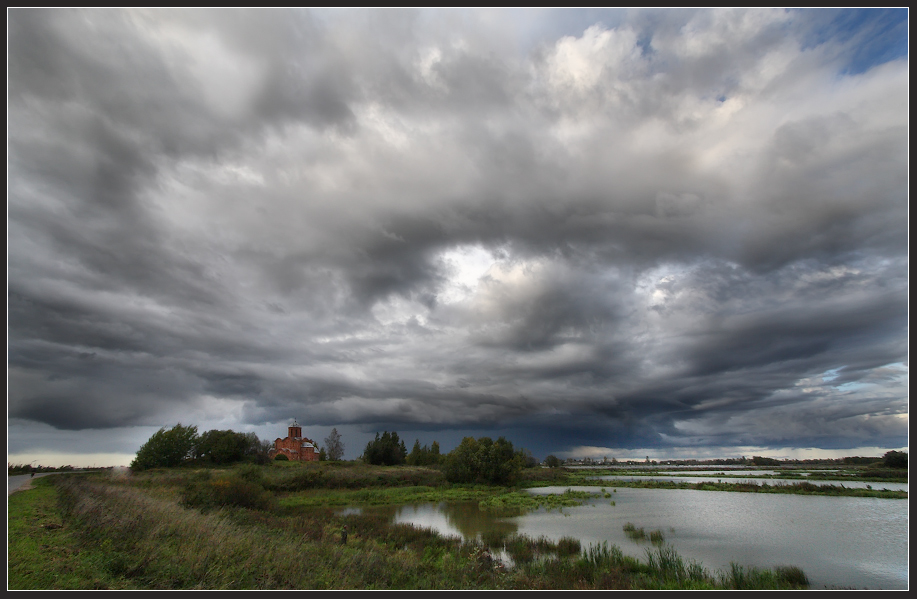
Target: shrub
[
  {"x": 166, "y": 448},
  {"x": 238, "y": 491},
  {"x": 226, "y": 447},
  {"x": 483, "y": 461},
  {"x": 895, "y": 459},
  {"x": 552, "y": 461}
]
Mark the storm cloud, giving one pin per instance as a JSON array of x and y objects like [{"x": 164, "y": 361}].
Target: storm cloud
[{"x": 675, "y": 229}]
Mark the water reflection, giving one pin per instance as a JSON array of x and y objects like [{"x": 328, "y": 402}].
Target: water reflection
[
  {"x": 463, "y": 519},
  {"x": 840, "y": 542},
  {"x": 456, "y": 519}
]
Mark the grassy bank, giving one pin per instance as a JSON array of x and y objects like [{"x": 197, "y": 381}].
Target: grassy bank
[
  {"x": 45, "y": 552},
  {"x": 178, "y": 529}
]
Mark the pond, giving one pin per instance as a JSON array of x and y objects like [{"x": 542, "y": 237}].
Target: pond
[{"x": 840, "y": 542}]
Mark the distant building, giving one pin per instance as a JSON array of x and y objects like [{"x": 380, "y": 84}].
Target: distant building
[{"x": 294, "y": 446}]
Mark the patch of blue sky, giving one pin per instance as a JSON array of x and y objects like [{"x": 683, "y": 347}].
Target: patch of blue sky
[
  {"x": 865, "y": 37},
  {"x": 830, "y": 375}
]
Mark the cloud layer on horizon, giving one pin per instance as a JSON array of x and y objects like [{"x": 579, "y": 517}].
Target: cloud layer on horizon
[{"x": 665, "y": 228}]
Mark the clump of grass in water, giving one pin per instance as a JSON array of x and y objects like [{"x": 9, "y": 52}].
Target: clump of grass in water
[
  {"x": 656, "y": 537},
  {"x": 635, "y": 534}
]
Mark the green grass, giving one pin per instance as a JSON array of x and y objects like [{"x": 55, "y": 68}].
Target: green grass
[
  {"x": 45, "y": 551},
  {"x": 194, "y": 529}
]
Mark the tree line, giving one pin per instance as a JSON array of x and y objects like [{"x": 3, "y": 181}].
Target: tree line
[
  {"x": 481, "y": 461},
  {"x": 181, "y": 444}
]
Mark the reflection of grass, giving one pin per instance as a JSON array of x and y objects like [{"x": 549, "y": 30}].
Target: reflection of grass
[{"x": 524, "y": 550}]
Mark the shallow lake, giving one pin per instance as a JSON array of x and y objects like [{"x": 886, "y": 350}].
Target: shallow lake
[
  {"x": 850, "y": 484},
  {"x": 840, "y": 542}
]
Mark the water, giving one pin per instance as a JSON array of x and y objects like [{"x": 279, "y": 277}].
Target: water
[
  {"x": 850, "y": 484},
  {"x": 840, "y": 542}
]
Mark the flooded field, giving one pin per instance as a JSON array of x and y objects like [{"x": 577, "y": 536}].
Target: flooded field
[{"x": 840, "y": 542}]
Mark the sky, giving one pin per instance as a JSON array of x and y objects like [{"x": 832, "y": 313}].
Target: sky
[{"x": 675, "y": 233}]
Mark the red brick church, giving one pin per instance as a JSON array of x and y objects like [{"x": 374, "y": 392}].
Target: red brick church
[{"x": 296, "y": 447}]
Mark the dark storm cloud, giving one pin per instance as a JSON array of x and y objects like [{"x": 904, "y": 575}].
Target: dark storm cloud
[{"x": 637, "y": 229}]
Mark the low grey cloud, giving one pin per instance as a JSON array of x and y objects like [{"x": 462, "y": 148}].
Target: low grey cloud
[{"x": 614, "y": 229}]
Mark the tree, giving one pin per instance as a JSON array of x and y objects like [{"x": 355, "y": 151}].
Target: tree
[
  {"x": 895, "y": 459},
  {"x": 528, "y": 460},
  {"x": 227, "y": 447},
  {"x": 334, "y": 447},
  {"x": 387, "y": 450},
  {"x": 222, "y": 447},
  {"x": 416, "y": 456},
  {"x": 423, "y": 456},
  {"x": 167, "y": 448},
  {"x": 552, "y": 461},
  {"x": 483, "y": 461}
]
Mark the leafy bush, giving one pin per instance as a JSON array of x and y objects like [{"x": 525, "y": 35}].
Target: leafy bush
[
  {"x": 181, "y": 444},
  {"x": 895, "y": 459},
  {"x": 167, "y": 448},
  {"x": 220, "y": 447},
  {"x": 483, "y": 461}
]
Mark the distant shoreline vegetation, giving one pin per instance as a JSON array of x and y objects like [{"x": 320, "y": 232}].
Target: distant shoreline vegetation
[
  {"x": 795, "y": 488},
  {"x": 14, "y": 469}
]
